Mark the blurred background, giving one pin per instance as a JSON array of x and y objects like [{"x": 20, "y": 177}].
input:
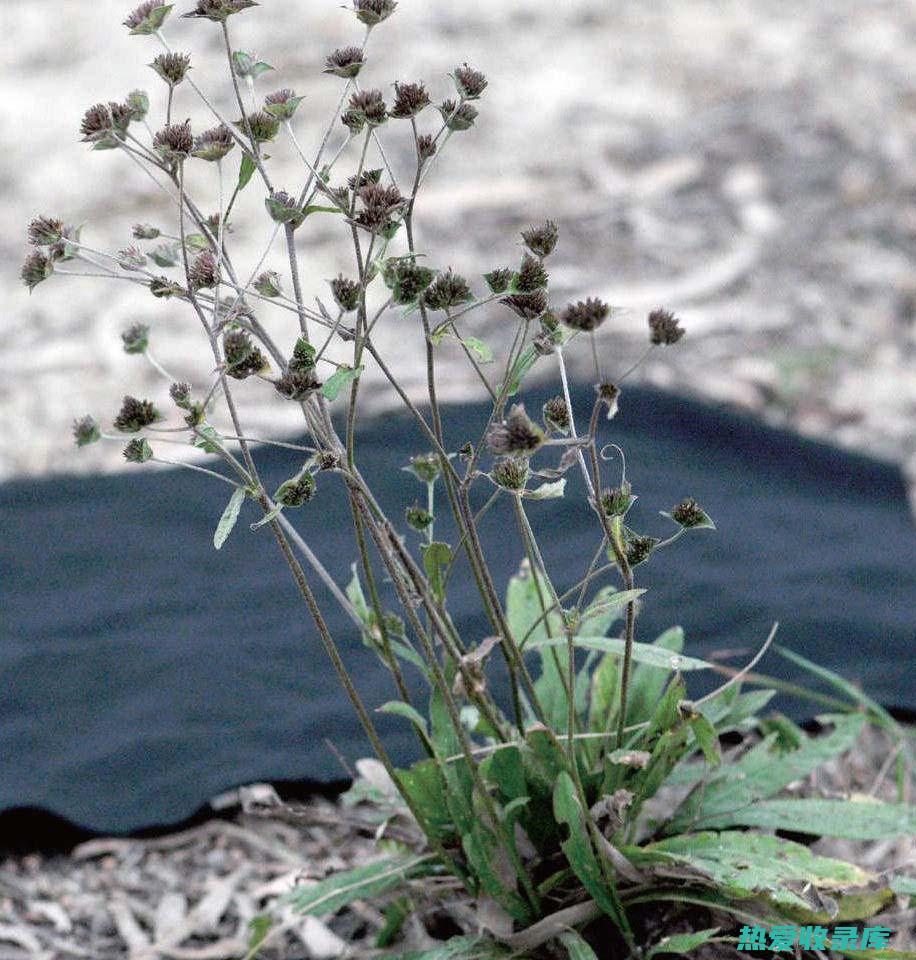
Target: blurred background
[{"x": 749, "y": 165}]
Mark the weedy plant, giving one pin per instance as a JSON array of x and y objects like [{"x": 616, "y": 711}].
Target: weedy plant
[{"x": 592, "y": 812}]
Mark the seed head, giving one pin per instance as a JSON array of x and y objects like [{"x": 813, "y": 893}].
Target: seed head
[
  {"x": 498, "y": 280},
  {"x": 174, "y": 142},
  {"x": 353, "y": 121},
  {"x": 45, "y": 231},
  {"x": 618, "y": 500},
  {"x": 263, "y": 126},
  {"x": 145, "y": 231},
  {"x": 449, "y": 289},
  {"x": 131, "y": 258},
  {"x": 379, "y": 205},
  {"x": 470, "y": 83},
  {"x": 203, "y": 272},
  {"x": 138, "y": 103},
  {"x": 664, "y": 328},
  {"x": 282, "y": 104},
  {"x": 268, "y": 284},
  {"x": 172, "y": 67},
  {"x": 541, "y": 239},
  {"x": 586, "y": 315},
  {"x": 531, "y": 276},
  {"x": 425, "y": 467},
  {"x": 96, "y": 123},
  {"x": 373, "y": 12},
  {"x": 688, "y": 513},
  {"x": 345, "y": 62},
  {"x": 86, "y": 431},
  {"x": 345, "y": 293},
  {"x": 528, "y": 306},
  {"x": 409, "y": 280},
  {"x": 418, "y": 518},
  {"x": 163, "y": 288},
  {"x": 296, "y": 492},
  {"x": 37, "y": 267},
  {"x": 303, "y": 357},
  {"x": 219, "y": 10},
  {"x": 243, "y": 358},
  {"x": 365, "y": 178},
  {"x": 138, "y": 450},
  {"x": 181, "y": 394},
  {"x": 135, "y": 338},
  {"x": 328, "y": 460},
  {"x": 409, "y": 100},
  {"x": 638, "y": 549},
  {"x": 426, "y": 146},
  {"x": 148, "y": 17},
  {"x": 135, "y": 414},
  {"x": 121, "y": 117},
  {"x": 370, "y": 106},
  {"x": 556, "y": 415},
  {"x": 457, "y": 117},
  {"x": 517, "y": 435},
  {"x": 212, "y": 145},
  {"x": 284, "y": 209},
  {"x": 297, "y": 384},
  {"x": 609, "y": 394},
  {"x": 511, "y": 473}
]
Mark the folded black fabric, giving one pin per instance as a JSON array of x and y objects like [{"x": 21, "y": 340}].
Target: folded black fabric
[{"x": 144, "y": 672}]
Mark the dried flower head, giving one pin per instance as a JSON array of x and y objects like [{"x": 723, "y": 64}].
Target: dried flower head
[
  {"x": 586, "y": 315},
  {"x": 498, "y": 280},
  {"x": 282, "y": 104},
  {"x": 172, "y": 67},
  {"x": 379, "y": 204},
  {"x": 345, "y": 293},
  {"x": 263, "y": 126},
  {"x": 284, "y": 209},
  {"x": 131, "y": 258},
  {"x": 96, "y": 123},
  {"x": 688, "y": 513},
  {"x": 219, "y": 10},
  {"x": 45, "y": 231},
  {"x": 345, "y": 62},
  {"x": 138, "y": 450},
  {"x": 609, "y": 394},
  {"x": 181, "y": 394},
  {"x": 145, "y": 231},
  {"x": 268, "y": 284},
  {"x": 556, "y": 415},
  {"x": 135, "y": 338},
  {"x": 638, "y": 549},
  {"x": 425, "y": 467},
  {"x": 426, "y": 146},
  {"x": 418, "y": 518},
  {"x": 37, "y": 267},
  {"x": 296, "y": 492},
  {"x": 449, "y": 289},
  {"x": 457, "y": 117},
  {"x": 470, "y": 83},
  {"x": 541, "y": 239},
  {"x": 408, "y": 280},
  {"x": 618, "y": 500},
  {"x": 163, "y": 288},
  {"x": 517, "y": 435},
  {"x": 148, "y": 17},
  {"x": 297, "y": 384},
  {"x": 409, "y": 100},
  {"x": 86, "y": 431},
  {"x": 303, "y": 357},
  {"x": 373, "y": 12},
  {"x": 353, "y": 121},
  {"x": 212, "y": 145},
  {"x": 243, "y": 358},
  {"x": 328, "y": 460},
  {"x": 138, "y": 103},
  {"x": 528, "y": 306},
  {"x": 370, "y": 106},
  {"x": 174, "y": 142},
  {"x": 204, "y": 271},
  {"x": 135, "y": 414},
  {"x": 511, "y": 473},
  {"x": 531, "y": 276},
  {"x": 664, "y": 328},
  {"x": 365, "y": 178}
]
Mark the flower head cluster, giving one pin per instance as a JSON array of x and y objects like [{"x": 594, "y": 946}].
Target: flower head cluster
[
  {"x": 148, "y": 17},
  {"x": 345, "y": 293},
  {"x": 138, "y": 450},
  {"x": 296, "y": 492},
  {"x": 204, "y": 271},
  {"x": 556, "y": 415},
  {"x": 541, "y": 239},
  {"x": 219, "y": 10},
  {"x": 510, "y": 473},
  {"x": 369, "y": 106},
  {"x": 517, "y": 435},
  {"x": 135, "y": 338},
  {"x": 409, "y": 100},
  {"x": 449, "y": 289},
  {"x": 457, "y": 117},
  {"x": 470, "y": 83},
  {"x": 345, "y": 62},
  {"x": 174, "y": 142},
  {"x": 297, "y": 384},
  {"x": 86, "y": 431},
  {"x": 45, "y": 231},
  {"x": 212, "y": 145},
  {"x": 285, "y": 209},
  {"x": 426, "y": 146},
  {"x": 243, "y": 358},
  {"x": 373, "y": 12},
  {"x": 282, "y": 104},
  {"x": 135, "y": 414},
  {"x": 37, "y": 267},
  {"x": 379, "y": 205},
  {"x": 664, "y": 328},
  {"x": 688, "y": 513},
  {"x": 172, "y": 67},
  {"x": 586, "y": 315},
  {"x": 527, "y": 306}
]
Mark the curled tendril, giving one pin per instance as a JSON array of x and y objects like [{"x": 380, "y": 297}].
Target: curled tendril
[{"x": 603, "y": 453}]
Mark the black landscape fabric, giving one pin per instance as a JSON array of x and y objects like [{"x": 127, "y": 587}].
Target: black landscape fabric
[{"x": 144, "y": 672}]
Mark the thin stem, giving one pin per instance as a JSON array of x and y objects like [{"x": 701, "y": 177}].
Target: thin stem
[{"x": 195, "y": 468}]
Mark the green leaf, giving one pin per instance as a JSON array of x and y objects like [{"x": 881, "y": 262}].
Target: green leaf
[
  {"x": 356, "y": 596},
  {"x": 707, "y": 739},
  {"x": 210, "y": 441},
  {"x": 425, "y": 786},
  {"x": 904, "y": 886},
  {"x": 338, "y": 380},
  {"x": 328, "y": 896},
  {"x": 682, "y": 943},
  {"x": 742, "y": 865},
  {"x": 523, "y": 363},
  {"x": 436, "y": 558},
  {"x": 480, "y": 350},
  {"x": 230, "y": 515},
  {"x": 401, "y": 709},
  {"x": 576, "y": 947},
  {"x": 578, "y": 847},
  {"x": 648, "y": 682},
  {"x": 260, "y": 926},
  {"x": 460, "y": 948},
  {"x": 642, "y": 652},
  {"x": 395, "y": 916},
  {"x": 246, "y": 171},
  {"x": 856, "y": 819},
  {"x": 547, "y": 491}
]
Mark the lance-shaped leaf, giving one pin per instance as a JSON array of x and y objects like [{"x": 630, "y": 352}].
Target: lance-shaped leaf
[
  {"x": 642, "y": 652},
  {"x": 338, "y": 380},
  {"x": 229, "y": 517}
]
